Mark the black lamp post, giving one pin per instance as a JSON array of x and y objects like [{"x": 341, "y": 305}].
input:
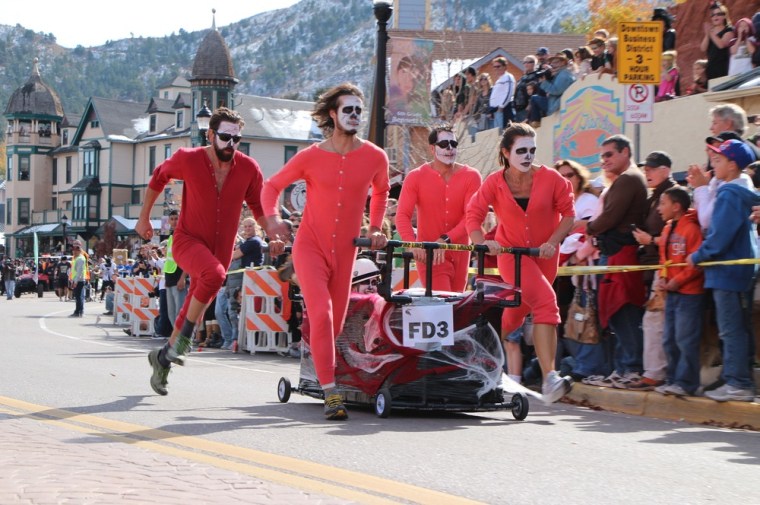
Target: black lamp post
[
  {"x": 383, "y": 10},
  {"x": 203, "y": 117},
  {"x": 64, "y": 223}
]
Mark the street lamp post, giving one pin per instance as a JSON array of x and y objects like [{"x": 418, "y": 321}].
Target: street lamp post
[
  {"x": 383, "y": 10},
  {"x": 203, "y": 117},
  {"x": 64, "y": 223}
]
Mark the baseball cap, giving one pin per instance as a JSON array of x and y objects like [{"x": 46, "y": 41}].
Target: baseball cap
[
  {"x": 736, "y": 151},
  {"x": 722, "y": 137},
  {"x": 657, "y": 159},
  {"x": 542, "y": 51}
]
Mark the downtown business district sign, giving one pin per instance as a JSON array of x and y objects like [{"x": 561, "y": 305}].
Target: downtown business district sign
[{"x": 639, "y": 54}]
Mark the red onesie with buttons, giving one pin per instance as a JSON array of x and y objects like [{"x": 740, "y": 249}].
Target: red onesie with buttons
[
  {"x": 441, "y": 209},
  {"x": 208, "y": 223},
  {"x": 551, "y": 198},
  {"x": 337, "y": 186}
]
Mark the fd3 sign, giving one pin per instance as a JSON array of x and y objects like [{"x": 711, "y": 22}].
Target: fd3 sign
[{"x": 428, "y": 324}]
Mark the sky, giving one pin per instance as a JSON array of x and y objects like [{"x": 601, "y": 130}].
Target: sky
[{"x": 93, "y": 22}]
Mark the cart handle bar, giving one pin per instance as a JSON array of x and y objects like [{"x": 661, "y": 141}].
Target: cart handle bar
[{"x": 528, "y": 251}]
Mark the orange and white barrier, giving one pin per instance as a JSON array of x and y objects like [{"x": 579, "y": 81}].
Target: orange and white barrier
[
  {"x": 263, "y": 327},
  {"x": 142, "y": 321},
  {"x": 123, "y": 291},
  {"x": 397, "y": 278}
]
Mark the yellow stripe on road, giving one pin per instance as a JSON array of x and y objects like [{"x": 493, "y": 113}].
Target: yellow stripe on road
[{"x": 283, "y": 470}]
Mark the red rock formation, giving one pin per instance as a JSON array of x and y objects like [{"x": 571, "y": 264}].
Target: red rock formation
[{"x": 689, "y": 24}]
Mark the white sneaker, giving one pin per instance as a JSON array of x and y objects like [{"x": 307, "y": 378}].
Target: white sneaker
[
  {"x": 671, "y": 389},
  {"x": 626, "y": 380},
  {"x": 727, "y": 393},
  {"x": 555, "y": 387}
]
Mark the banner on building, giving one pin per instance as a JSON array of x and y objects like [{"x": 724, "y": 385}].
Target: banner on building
[{"x": 409, "y": 91}]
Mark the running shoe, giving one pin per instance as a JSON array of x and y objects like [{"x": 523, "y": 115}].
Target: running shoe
[
  {"x": 645, "y": 384},
  {"x": 555, "y": 387},
  {"x": 177, "y": 353},
  {"x": 158, "y": 381},
  {"x": 334, "y": 408},
  {"x": 728, "y": 392},
  {"x": 671, "y": 390}
]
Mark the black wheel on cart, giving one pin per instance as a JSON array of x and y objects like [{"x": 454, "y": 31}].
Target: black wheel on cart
[
  {"x": 283, "y": 390},
  {"x": 520, "y": 406},
  {"x": 383, "y": 403}
]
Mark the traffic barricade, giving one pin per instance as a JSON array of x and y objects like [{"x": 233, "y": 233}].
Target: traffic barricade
[
  {"x": 263, "y": 327},
  {"x": 123, "y": 292}
]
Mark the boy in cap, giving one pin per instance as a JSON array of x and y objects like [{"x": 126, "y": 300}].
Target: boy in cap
[{"x": 731, "y": 237}]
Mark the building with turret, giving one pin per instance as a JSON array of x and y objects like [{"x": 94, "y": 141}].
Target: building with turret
[{"x": 85, "y": 177}]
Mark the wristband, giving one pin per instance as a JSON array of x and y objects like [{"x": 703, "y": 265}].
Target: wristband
[{"x": 445, "y": 238}]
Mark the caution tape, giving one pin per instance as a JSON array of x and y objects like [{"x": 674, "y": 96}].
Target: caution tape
[
  {"x": 596, "y": 270},
  {"x": 240, "y": 270}
]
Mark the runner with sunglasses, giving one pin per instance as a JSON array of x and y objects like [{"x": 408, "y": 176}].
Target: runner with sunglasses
[
  {"x": 217, "y": 179},
  {"x": 339, "y": 173},
  {"x": 439, "y": 191}
]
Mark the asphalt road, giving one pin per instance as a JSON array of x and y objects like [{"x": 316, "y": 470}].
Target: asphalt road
[{"x": 224, "y": 407}]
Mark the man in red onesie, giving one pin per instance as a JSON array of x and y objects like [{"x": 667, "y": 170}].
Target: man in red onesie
[
  {"x": 217, "y": 178},
  {"x": 338, "y": 173},
  {"x": 439, "y": 191}
]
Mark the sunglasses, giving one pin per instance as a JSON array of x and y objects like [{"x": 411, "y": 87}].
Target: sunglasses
[
  {"x": 349, "y": 109},
  {"x": 226, "y": 137},
  {"x": 717, "y": 14},
  {"x": 444, "y": 144},
  {"x": 568, "y": 175}
]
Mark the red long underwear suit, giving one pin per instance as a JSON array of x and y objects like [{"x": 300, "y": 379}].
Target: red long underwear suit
[
  {"x": 551, "y": 197},
  {"x": 441, "y": 207},
  {"x": 323, "y": 254},
  {"x": 208, "y": 223}
]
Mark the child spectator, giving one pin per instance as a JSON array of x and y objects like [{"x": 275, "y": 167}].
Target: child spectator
[
  {"x": 731, "y": 237},
  {"x": 699, "y": 75},
  {"x": 668, "y": 88},
  {"x": 741, "y": 58},
  {"x": 684, "y": 305}
]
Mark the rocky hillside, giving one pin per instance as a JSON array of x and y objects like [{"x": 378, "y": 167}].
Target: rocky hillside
[{"x": 291, "y": 52}]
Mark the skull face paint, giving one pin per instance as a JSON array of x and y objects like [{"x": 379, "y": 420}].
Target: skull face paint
[
  {"x": 446, "y": 155},
  {"x": 226, "y": 150},
  {"x": 523, "y": 153},
  {"x": 349, "y": 121}
]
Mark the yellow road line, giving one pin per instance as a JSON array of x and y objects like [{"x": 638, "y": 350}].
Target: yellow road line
[{"x": 283, "y": 470}]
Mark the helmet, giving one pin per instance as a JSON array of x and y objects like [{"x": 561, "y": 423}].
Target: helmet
[{"x": 364, "y": 270}]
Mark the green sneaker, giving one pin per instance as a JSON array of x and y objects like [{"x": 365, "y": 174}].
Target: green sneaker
[
  {"x": 177, "y": 353},
  {"x": 334, "y": 408},
  {"x": 158, "y": 381}
]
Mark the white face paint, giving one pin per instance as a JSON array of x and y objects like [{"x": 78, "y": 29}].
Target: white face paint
[
  {"x": 225, "y": 150},
  {"x": 350, "y": 121},
  {"x": 446, "y": 155},
  {"x": 523, "y": 153}
]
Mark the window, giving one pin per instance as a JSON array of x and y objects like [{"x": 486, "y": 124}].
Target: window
[
  {"x": 24, "y": 165},
  {"x": 9, "y": 168},
  {"x": 151, "y": 159},
  {"x": 54, "y": 203},
  {"x": 152, "y": 123},
  {"x": 180, "y": 120},
  {"x": 55, "y": 173},
  {"x": 8, "y": 211},
  {"x": 135, "y": 196},
  {"x": 94, "y": 123},
  {"x": 167, "y": 151},
  {"x": 68, "y": 170},
  {"x": 90, "y": 162},
  {"x": 245, "y": 148},
  {"x": 290, "y": 151},
  {"x": 92, "y": 206},
  {"x": 65, "y": 137},
  {"x": 24, "y": 211}
]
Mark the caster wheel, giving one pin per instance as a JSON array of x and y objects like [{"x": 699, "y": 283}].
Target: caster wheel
[
  {"x": 283, "y": 390},
  {"x": 383, "y": 403},
  {"x": 520, "y": 406}
]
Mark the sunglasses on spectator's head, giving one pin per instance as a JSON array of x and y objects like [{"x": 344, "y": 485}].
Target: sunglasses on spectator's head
[
  {"x": 349, "y": 109},
  {"x": 444, "y": 144},
  {"x": 226, "y": 137}
]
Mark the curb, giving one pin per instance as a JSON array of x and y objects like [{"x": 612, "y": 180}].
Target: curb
[{"x": 697, "y": 410}]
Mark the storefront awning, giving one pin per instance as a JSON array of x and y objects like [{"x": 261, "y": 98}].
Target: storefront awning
[{"x": 47, "y": 230}]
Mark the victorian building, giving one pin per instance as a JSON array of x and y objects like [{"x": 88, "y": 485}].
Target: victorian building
[{"x": 85, "y": 177}]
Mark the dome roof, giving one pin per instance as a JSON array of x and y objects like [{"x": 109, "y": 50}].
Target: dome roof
[
  {"x": 35, "y": 97},
  {"x": 213, "y": 60}
]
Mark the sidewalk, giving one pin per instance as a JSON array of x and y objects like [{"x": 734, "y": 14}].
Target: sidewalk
[{"x": 697, "y": 410}]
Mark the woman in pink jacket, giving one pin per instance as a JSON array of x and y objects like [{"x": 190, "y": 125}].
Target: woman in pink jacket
[
  {"x": 338, "y": 173},
  {"x": 534, "y": 207}
]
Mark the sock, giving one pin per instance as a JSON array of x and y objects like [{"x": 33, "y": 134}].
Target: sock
[
  {"x": 162, "y": 359},
  {"x": 187, "y": 328},
  {"x": 516, "y": 378}
]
